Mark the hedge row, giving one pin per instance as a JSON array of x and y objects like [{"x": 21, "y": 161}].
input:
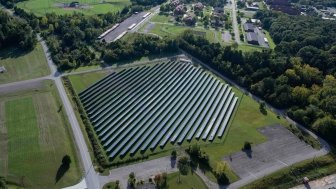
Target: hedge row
[{"x": 98, "y": 151}]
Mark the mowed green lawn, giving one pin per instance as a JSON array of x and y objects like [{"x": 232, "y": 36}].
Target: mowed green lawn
[
  {"x": 90, "y": 7},
  {"x": 35, "y": 137},
  {"x": 82, "y": 81},
  {"x": 187, "y": 181},
  {"x": 165, "y": 30},
  {"x": 23, "y": 65}
]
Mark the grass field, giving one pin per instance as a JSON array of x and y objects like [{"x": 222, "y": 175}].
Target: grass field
[
  {"x": 41, "y": 7},
  {"x": 270, "y": 40},
  {"x": 35, "y": 136},
  {"x": 162, "y": 18},
  {"x": 187, "y": 181},
  {"x": 165, "y": 30},
  {"x": 81, "y": 81},
  {"x": 23, "y": 65},
  {"x": 249, "y": 48}
]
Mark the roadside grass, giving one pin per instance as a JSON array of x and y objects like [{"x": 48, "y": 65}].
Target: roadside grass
[
  {"x": 161, "y": 18},
  {"x": 41, "y": 7},
  {"x": 270, "y": 40},
  {"x": 82, "y": 81},
  {"x": 293, "y": 175},
  {"x": 249, "y": 48},
  {"x": 170, "y": 30},
  {"x": 83, "y": 68},
  {"x": 22, "y": 65},
  {"x": 191, "y": 180},
  {"x": 38, "y": 137}
]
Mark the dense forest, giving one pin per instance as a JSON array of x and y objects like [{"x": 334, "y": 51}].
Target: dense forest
[
  {"x": 298, "y": 76},
  {"x": 15, "y": 32},
  {"x": 10, "y": 3},
  {"x": 326, "y": 3}
]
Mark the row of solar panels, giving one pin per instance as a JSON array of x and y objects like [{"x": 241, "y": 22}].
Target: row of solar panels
[{"x": 142, "y": 107}]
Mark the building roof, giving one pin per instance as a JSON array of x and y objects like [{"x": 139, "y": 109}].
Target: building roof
[
  {"x": 219, "y": 9},
  {"x": 249, "y": 27},
  {"x": 251, "y": 36},
  {"x": 199, "y": 5}
]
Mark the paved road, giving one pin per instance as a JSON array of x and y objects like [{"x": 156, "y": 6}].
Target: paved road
[
  {"x": 90, "y": 175},
  {"x": 235, "y": 22}
]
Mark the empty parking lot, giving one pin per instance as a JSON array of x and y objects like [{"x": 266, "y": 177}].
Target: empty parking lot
[{"x": 282, "y": 149}]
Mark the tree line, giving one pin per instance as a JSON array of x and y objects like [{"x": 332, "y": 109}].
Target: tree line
[
  {"x": 292, "y": 81},
  {"x": 15, "y": 32}
]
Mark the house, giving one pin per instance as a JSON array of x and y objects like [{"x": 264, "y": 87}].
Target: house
[
  {"x": 249, "y": 27},
  {"x": 190, "y": 19},
  {"x": 219, "y": 10},
  {"x": 255, "y": 21},
  {"x": 175, "y": 3},
  {"x": 217, "y": 23},
  {"x": 199, "y": 6},
  {"x": 252, "y": 6},
  {"x": 179, "y": 10},
  {"x": 252, "y": 38}
]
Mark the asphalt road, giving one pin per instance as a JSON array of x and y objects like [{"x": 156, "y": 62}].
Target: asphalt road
[
  {"x": 235, "y": 22},
  {"x": 90, "y": 175}
]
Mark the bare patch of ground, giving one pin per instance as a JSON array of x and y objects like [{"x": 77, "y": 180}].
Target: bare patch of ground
[
  {"x": 282, "y": 149},
  {"x": 149, "y": 27}
]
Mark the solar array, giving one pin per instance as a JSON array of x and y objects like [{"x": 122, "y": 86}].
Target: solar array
[{"x": 145, "y": 107}]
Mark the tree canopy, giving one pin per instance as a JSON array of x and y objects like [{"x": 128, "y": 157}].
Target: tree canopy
[{"x": 15, "y": 32}]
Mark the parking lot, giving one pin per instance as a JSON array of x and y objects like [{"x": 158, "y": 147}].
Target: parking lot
[
  {"x": 261, "y": 38},
  {"x": 134, "y": 19},
  {"x": 282, "y": 149}
]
